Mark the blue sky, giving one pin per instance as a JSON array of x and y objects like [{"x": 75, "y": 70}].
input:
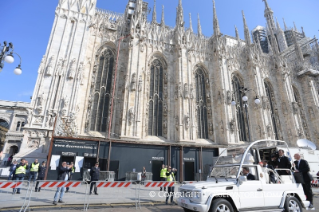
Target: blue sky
[{"x": 28, "y": 23}]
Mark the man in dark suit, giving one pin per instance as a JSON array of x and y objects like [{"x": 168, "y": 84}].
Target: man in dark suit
[
  {"x": 283, "y": 163},
  {"x": 271, "y": 174},
  {"x": 63, "y": 175},
  {"x": 95, "y": 176},
  {"x": 303, "y": 167},
  {"x": 247, "y": 174}
]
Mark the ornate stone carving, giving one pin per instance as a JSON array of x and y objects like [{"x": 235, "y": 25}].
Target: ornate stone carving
[
  {"x": 295, "y": 107},
  {"x": 133, "y": 82},
  {"x": 80, "y": 73},
  {"x": 33, "y": 143},
  {"x": 140, "y": 83},
  {"x": 191, "y": 93},
  {"x": 131, "y": 116},
  {"x": 311, "y": 113},
  {"x": 40, "y": 70},
  {"x": 221, "y": 127},
  {"x": 186, "y": 91},
  {"x": 265, "y": 102},
  {"x": 72, "y": 69},
  {"x": 187, "y": 122},
  {"x": 176, "y": 123},
  {"x": 220, "y": 97},
  {"x": 50, "y": 66},
  {"x": 65, "y": 106},
  {"x": 66, "y": 126},
  {"x": 232, "y": 125},
  {"x": 58, "y": 71},
  {"x": 229, "y": 97},
  {"x": 211, "y": 128}
]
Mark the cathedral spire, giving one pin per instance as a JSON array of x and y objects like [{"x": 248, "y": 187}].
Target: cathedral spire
[
  {"x": 266, "y": 4},
  {"x": 180, "y": 15},
  {"x": 247, "y": 34},
  {"x": 190, "y": 22},
  {"x": 278, "y": 25},
  {"x": 163, "y": 19},
  {"x": 199, "y": 27},
  {"x": 269, "y": 16},
  {"x": 237, "y": 34},
  {"x": 303, "y": 32},
  {"x": 297, "y": 47},
  {"x": 295, "y": 27},
  {"x": 215, "y": 21},
  {"x": 286, "y": 28},
  {"x": 154, "y": 13},
  {"x": 273, "y": 40}
]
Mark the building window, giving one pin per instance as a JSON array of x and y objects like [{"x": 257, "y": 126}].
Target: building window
[
  {"x": 18, "y": 126},
  {"x": 270, "y": 95},
  {"x": 22, "y": 125},
  {"x": 201, "y": 107},
  {"x": 240, "y": 112},
  {"x": 155, "y": 117},
  {"x": 102, "y": 92}
]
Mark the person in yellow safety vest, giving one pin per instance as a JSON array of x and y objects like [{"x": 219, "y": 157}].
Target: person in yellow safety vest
[
  {"x": 170, "y": 178},
  {"x": 163, "y": 175},
  {"x": 70, "y": 176},
  {"x": 20, "y": 172},
  {"x": 34, "y": 168}
]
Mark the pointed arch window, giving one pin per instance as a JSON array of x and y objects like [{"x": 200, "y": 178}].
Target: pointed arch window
[
  {"x": 270, "y": 95},
  {"x": 155, "y": 116},
  {"x": 201, "y": 105},
  {"x": 102, "y": 92},
  {"x": 237, "y": 84}
]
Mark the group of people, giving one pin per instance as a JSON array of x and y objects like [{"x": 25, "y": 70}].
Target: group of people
[
  {"x": 282, "y": 162},
  {"x": 19, "y": 171},
  {"x": 168, "y": 174}
]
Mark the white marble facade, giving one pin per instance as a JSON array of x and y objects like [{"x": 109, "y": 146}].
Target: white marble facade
[{"x": 69, "y": 85}]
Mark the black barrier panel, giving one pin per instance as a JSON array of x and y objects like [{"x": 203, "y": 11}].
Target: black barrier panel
[
  {"x": 175, "y": 160},
  {"x": 69, "y": 150},
  {"x": 207, "y": 155},
  {"x": 126, "y": 157},
  {"x": 190, "y": 163}
]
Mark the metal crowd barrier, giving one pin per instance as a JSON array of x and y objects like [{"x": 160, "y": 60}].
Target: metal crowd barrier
[
  {"x": 104, "y": 175},
  {"x": 7, "y": 194}
]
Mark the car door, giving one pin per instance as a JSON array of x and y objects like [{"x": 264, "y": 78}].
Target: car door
[{"x": 251, "y": 194}]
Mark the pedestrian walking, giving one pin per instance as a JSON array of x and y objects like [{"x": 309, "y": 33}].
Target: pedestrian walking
[
  {"x": 95, "y": 176},
  {"x": 301, "y": 165},
  {"x": 70, "y": 176},
  {"x": 34, "y": 168},
  {"x": 64, "y": 170},
  {"x": 143, "y": 175},
  {"x": 12, "y": 170},
  {"x": 283, "y": 163},
  {"x": 170, "y": 178},
  {"x": 163, "y": 175},
  {"x": 21, "y": 170},
  {"x": 41, "y": 175}
]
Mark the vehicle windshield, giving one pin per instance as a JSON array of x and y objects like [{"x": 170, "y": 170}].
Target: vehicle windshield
[
  {"x": 231, "y": 155},
  {"x": 225, "y": 172}
]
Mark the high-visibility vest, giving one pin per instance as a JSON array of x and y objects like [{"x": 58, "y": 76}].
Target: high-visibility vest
[
  {"x": 163, "y": 172},
  {"x": 34, "y": 167},
  {"x": 171, "y": 177},
  {"x": 73, "y": 169},
  {"x": 21, "y": 169}
]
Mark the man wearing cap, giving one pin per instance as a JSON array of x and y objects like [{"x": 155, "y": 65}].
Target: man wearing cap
[
  {"x": 34, "y": 168},
  {"x": 95, "y": 176},
  {"x": 41, "y": 175},
  {"x": 170, "y": 174},
  {"x": 20, "y": 172}
]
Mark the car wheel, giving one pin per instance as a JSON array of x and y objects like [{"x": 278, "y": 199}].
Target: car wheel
[
  {"x": 292, "y": 204},
  {"x": 221, "y": 205},
  {"x": 187, "y": 210}
]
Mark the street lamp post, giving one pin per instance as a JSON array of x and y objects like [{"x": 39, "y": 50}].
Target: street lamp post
[
  {"x": 7, "y": 56},
  {"x": 245, "y": 105}
]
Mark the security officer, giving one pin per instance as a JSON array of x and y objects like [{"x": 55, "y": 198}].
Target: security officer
[
  {"x": 70, "y": 177},
  {"x": 34, "y": 168},
  {"x": 41, "y": 175},
  {"x": 163, "y": 175},
  {"x": 20, "y": 173},
  {"x": 170, "y": 178}
]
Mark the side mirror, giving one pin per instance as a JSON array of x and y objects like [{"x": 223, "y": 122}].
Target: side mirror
[{"x": 242, "y": 179}]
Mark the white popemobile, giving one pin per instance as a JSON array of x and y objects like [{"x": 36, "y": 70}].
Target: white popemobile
[{"x": 227, "y": 190}]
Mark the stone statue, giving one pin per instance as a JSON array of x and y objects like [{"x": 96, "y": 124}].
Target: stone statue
[
  {"x": 165, "y": 109},
  {"x": 72, "y": 69},
  {"x": 295, "y": 107},
  {"x": 229, "y": 98},
  {"x": 211, "y": 128},
  {"x": 191, "y": 91},
  {"x": 58, "y": 71},
  {"x": 40, "y": 70},
  {"x": 232, "y": 125},
  {"x": 186, "y": 92},
  {"x": 80, "y": 74},
  {"x": 130, "y": 116},
  {"x": 50, "y": 66},
  {"x": 311, "y": 113},
  {"x": 180, "y": 93},
  {"x": 266, "y": 104},
  {"x": 187, "y": 121},
  {"x": 176, "y": 123},
  {"x": 133, "y": 82}
]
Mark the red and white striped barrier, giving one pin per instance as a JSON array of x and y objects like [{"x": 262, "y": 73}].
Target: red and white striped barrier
[
  {"x": 59, "y": 184},
  {"x": 113, "y": 184},
  {"x": 314, "y": 182},
  {"x": 4, "y": 185},
  {"x": 159, "y": 184}
]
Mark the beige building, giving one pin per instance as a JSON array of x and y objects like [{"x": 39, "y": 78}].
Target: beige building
[{"x": 170, "y": 85}]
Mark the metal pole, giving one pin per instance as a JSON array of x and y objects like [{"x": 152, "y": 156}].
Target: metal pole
[{"x": 246, "y": 105}]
